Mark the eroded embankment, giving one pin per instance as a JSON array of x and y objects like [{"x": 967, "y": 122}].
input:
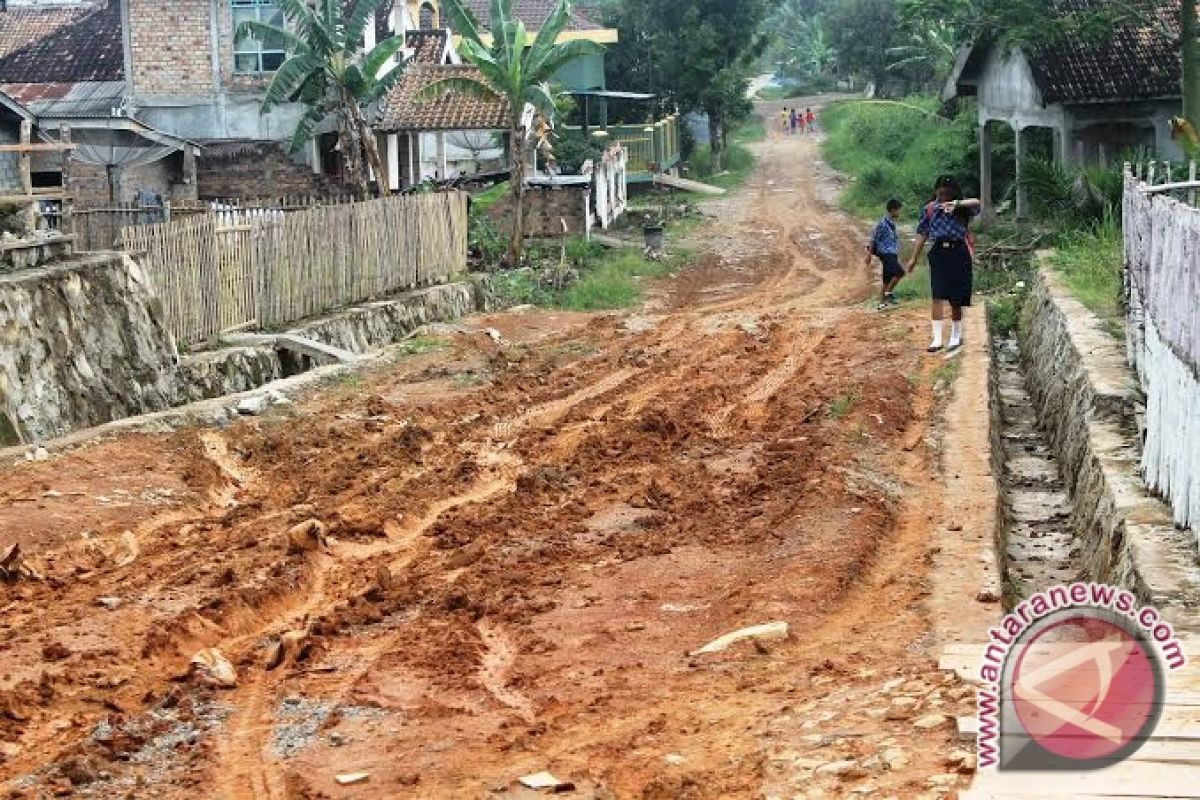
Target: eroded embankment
[
  {"x": 1106, "y": 527},
  {"x": 85, "y": 344}
]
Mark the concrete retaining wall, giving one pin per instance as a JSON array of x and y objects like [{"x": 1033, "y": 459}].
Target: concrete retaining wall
[
  {"x": 1085, "y": 398},
  {"x": 83, "y": 343}
]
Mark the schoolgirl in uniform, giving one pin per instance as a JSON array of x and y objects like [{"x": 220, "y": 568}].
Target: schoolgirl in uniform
[{"x": 945, "y": 224}]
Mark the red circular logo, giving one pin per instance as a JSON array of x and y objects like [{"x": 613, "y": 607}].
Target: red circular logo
[{"x": 1085, "y": 688}]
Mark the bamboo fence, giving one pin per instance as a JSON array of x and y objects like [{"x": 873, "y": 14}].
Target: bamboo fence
[
  {"x": 1162, "y": 258},
  {"x": 236, "y": 267}
]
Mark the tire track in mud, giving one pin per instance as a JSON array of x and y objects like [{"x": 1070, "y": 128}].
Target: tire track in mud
[
  {"x": 633, "y": 426},
  {"x": 244, "y": 762}
]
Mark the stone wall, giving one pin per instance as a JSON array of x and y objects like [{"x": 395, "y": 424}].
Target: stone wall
[
  {"x": 374, "y": 326},
  {"x": 1083, "y": 393},
  {"x": 81, "y": 343}
]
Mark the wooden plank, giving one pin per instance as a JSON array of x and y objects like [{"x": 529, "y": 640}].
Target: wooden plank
[
  {"x": 36, "y": 147},
  {"x": 687, "y": 185},
  {"x": 1130, "y": 778}
]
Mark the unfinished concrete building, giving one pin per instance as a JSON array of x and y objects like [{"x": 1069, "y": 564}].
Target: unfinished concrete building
[{"x": 1099, "y": 99}]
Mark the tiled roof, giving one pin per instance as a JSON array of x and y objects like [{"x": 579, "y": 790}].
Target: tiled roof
[
  {"x": 428, "y": 46},
  {"x": 532, "y": 12},
  {"x": 64, "y": 44},
  {"x": 452, "y": 111},
  {"x": 1135, "y": 63}
]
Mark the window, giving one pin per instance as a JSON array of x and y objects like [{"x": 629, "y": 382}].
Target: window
[
  {"x": 252, "y": 55},
  {"x": 428, "y": 16}
]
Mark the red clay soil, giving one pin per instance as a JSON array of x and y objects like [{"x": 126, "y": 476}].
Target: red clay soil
[{"x": 525, "y": 542}]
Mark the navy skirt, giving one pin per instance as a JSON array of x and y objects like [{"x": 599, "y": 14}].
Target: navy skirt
[{"x": 950, "y": 272}]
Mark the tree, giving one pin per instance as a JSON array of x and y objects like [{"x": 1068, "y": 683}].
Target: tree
[
  {"x": 327, "y": 72},
  {"x": 861, "y": 31},
  {"x": 799, "y": 45},
  {"x": 932, "y": 48},
  {"x": 696, "y": 55},
  {"x": 517, "y": 73}
]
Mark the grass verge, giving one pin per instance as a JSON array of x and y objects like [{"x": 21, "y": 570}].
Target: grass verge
[
  {"x": 1090, "y": 263},
  {"x": 607, "y": 280},
  {"x": 897, "y": 149},
  {"x": 738, "y": 162}
]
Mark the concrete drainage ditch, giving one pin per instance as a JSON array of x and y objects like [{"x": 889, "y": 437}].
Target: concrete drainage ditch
[
  {"x": 1065, "y": 453},
  {"x": 1034, "y": 533}
]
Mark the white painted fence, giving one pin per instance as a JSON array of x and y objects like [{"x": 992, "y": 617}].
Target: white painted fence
[
  {"x": 1162, "y": 258},
  {"x": 610, "y": 186}
]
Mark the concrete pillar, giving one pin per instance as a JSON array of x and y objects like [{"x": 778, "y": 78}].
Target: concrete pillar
[
  {"x": 985, "y": 167},
  {"x": 314, "y": 153},
  {"x": 413, "y": 177},
  {"x": 441, "y": 155},
  {"x": 1022, "y": 195},
  {"x": 393, "y": 161}
]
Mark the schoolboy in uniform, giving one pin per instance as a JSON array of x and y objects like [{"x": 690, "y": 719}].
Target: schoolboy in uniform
[{"x": 885, "y": 245}]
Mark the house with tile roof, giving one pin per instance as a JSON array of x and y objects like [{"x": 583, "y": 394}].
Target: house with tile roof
[
  {"x": 1097, "y": 99},
  {"x": 453, "y": 135},
  {"x": 63, "y": 64},
  {"x": 440, "y": 138},
  {"x": 583, "y": 74}
]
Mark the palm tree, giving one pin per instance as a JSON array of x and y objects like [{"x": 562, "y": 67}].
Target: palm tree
[
  {"x": 518, "y": 74},
  {"x": 327, "y": 72}
]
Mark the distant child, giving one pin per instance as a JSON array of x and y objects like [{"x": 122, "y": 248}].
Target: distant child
[
  {"x": 795, "y": 116},
  {"x": 810, "y": 120},
  {"x": 783, "y": 115},
  {"x": 885, "y": 245}
]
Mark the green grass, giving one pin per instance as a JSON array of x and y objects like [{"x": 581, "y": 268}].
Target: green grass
[
  {"x": 947, "y": 373},
  {"x": 418, "y": 345},
  {"x": 608, "y": 279},
  {"x": 737, "y": 162},
  {"x": 897, "y": 150},
  {"x": 484, "y": 201},
  {"x": 843, "y": 404},
  {"x": 1090, "y": 264},
  {"x": 1004, "y": 314},
  {"x": 613, "y": 282}
]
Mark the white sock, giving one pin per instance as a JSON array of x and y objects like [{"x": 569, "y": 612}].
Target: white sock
[
  {"x": 956, "y": 333},
  {"x": 937, "y": 333}
]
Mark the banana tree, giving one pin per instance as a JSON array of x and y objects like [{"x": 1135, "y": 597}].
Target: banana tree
[
  {"x": 328, "y": 73},
  {"x": 515, "y": 71},
  {"x": 933, "y": 46}
]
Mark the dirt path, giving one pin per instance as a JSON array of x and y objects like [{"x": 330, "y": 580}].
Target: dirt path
[{"x": 526, "y": 543}]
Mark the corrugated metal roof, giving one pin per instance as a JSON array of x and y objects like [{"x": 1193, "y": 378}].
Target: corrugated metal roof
[{"x": 58, "y": 100}]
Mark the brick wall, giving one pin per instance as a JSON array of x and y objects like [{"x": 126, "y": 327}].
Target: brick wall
[
  {"x": 89, "y": 183},
  {"x": 10, "y": 171},
  {"x": 546, "y": 206},
  {"x": 171, "y": 47},
  {"x": 257, "y": 169},
  {"x": 231, "y": 80},
  {"x": 171, "y": 44}
]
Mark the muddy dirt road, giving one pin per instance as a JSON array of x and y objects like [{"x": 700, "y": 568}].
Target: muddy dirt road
[{"x": 526, "y": 540}]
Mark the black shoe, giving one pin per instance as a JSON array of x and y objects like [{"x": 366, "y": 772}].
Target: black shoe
[{"x": 933, "y": 348}]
